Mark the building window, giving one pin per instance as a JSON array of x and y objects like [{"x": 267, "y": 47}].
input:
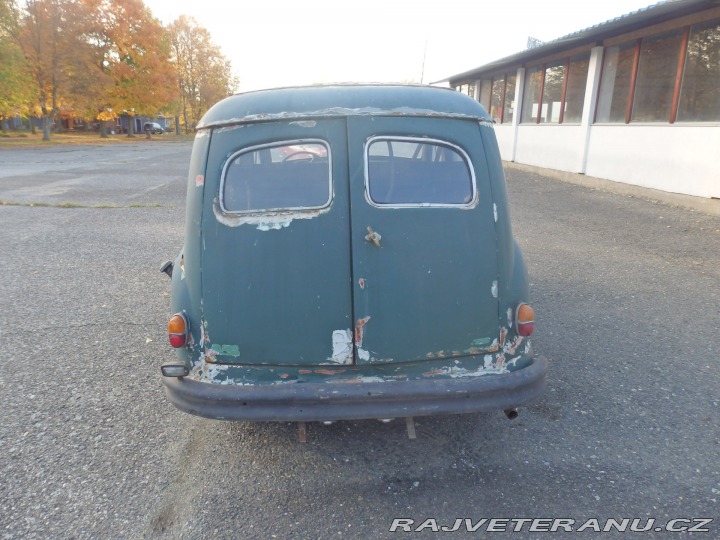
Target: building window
[
  {"x": 663, "y": 78},
  {"x": 575, "y": 89},
  {"x": 468, "y": 89},
  {"x": 552, "y": 93},
  {"x": 700, "y": 93},
  {"x": 617, "y": 72},
  {"x": 502, "y": 98},
  {"x": 531, "y": 95},
  {"x": 656, "y": 74},
  {"x": 562, "y": 86},
  {"x": 497, "y": 95},
  {"x": 496, "y": 100},
  {"x": 485, "y": 91},
  {"x": 508, "y": 111}
]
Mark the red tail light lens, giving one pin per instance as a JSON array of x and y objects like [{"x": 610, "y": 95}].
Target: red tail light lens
[
  {"x": 525, "y": 319},
  {"x": 177, "y": 330}
]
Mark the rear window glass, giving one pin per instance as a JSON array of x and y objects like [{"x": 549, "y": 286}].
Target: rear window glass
[
  {"x": 404, "y": 171},
  {"x": 290, "y": 175}
]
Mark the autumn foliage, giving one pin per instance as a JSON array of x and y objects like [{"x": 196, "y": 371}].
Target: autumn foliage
[{"x": 97, "y": 59}]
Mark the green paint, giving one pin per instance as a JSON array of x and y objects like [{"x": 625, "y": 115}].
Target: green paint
[{"x": 226, "y": 350}]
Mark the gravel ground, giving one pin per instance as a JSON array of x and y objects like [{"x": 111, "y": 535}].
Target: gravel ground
[{"x": 626, "y": 293}]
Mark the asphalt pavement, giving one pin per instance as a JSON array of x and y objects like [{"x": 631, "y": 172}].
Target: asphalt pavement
[{"x": 626, "y": 293}]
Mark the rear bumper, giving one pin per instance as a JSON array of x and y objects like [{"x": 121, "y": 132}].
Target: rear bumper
[{"x": 346, "y": 401}]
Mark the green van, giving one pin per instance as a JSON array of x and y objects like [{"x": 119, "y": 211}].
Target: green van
[{"x": 348, "y": 254}]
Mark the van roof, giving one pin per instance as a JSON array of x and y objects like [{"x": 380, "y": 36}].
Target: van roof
[{"x": 342, "y": 100}]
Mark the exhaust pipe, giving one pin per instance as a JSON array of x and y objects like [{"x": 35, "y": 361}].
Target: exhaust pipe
[{"x": 511, "y": 414}]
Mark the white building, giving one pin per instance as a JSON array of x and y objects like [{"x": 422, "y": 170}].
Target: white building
[{"x": 635, "y": 99}]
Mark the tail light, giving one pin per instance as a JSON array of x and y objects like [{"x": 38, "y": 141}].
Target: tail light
[
  {"x": 525, "y": 319},
  {"x": 178, "y": 330}
]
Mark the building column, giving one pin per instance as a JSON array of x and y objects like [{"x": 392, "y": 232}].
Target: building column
[
  {"x": 519, "y": 87},
  {"x": 591, "y": 97}
]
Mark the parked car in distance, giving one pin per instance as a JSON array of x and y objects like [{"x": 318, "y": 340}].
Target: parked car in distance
[
  {"x": 348, "y": 254},
  {"x": 153, "y": 128}
]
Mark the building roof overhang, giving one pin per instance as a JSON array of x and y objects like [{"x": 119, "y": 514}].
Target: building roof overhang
[{"x": 594, "y": 35}]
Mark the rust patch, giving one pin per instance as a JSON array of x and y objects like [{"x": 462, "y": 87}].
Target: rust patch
[
  {"x": 515, "y": 345},
  {"x": 284, "y": 375},
  {"x": 503, "y": 335},
  {"x": 359, "y": 330},
  {"x": 210, "y": 355},
  {"x": 329, "y": 371},
  {"x": 433, "y": 373},
  {"x": 305, "y": 371},
  {"x": 361, "y": 282}
]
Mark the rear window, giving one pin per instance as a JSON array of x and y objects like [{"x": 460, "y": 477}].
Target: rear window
[
  {"x": 405, "y": 171},
  {"x": 288, "y": 175}
]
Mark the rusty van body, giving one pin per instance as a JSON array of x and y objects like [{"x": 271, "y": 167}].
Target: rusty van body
[{"x": 348, "y": 254}]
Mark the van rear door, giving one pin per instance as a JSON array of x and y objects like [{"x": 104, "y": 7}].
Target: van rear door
[
  {"x": 275, "y": 236},
  {"x": 424, "y": 255}
]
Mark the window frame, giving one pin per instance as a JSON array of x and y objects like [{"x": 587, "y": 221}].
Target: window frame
[
  {"x": 421, "y": 140},
  {"x": 565, "y": 63},
  {"x": 679, "y": 74},
  {"x": 270, "y": 211}
]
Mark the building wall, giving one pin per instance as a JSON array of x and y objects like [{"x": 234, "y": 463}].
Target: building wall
[
  {"x": 668, "y": 152},
  {"x": 505, "y": 134},
  {"x": 550, "y": 146},
  {"x": 674, "y": 158}
]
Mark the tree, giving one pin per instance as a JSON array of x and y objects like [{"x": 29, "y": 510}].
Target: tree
[
  {"x": 204, "y": 75},
  {"x": 45, "y": 34},
  {"x": 16, "y": 85},
  {"x": 139, "y": 62}
]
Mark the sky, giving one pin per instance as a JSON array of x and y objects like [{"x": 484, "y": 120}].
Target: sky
[{"x": 273, "y": 43}]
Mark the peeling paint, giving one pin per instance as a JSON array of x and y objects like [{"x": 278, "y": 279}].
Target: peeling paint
[
  {"x": 228, "y": 128},
  {"x": 270, "y": 221},
  {"x": 204, "y": 372},
  {"x": 304, "y": 123},
  {"x": 363, "y": 354},
  {"x": 361, "y": 283},
  {"x": 495, "y": 212},
  {"x": 199, "y": 180},
  {"x": 455, "y": 372},
  {"x": 342, "y": 344},
  {"x": 329, "y": 371},
  {"x": 494, "y": 289},
  {"x": 369, "y": 379},
  {"x": 230, "y": 123},
  {"x": 510, "y": 317},
  {"x": 227, "y": 350},
  {"x": 359, "y": 330},
  {"x": 210, "y": 355},
  {"x": 480, "y": 342}
]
